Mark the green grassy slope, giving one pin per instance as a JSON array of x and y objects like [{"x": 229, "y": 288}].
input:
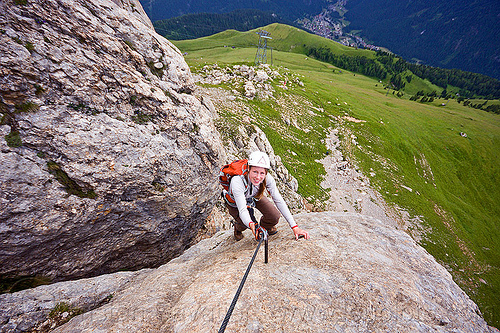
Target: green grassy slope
[
  {"x": 289, "y": 39},
  {"x": 413, "y": 152},
  {"x": 284, "y": 38}
]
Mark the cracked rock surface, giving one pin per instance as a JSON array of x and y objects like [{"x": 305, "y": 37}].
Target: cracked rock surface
[{"x": 355, "y": 274}]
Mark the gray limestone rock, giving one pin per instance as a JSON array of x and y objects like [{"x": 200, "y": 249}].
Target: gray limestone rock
[
  {"x": 107, "y": 160},
  {"x": 355, "y": 274},
  {"x": 30, "y": 309}
]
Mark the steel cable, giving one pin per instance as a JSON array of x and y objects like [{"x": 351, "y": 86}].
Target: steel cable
[{"x": 235, "y": 299}]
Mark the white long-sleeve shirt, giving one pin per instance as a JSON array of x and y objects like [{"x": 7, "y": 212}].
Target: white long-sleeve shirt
[{"x": 237, "y": 189}]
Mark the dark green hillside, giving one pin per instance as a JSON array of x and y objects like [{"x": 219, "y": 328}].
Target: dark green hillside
[
  {"x": 439, "y": 160},
  {"x": 288, "y": 9},
  {"x": 450, "y": 34},
  {"x": 193, "y": 26}
]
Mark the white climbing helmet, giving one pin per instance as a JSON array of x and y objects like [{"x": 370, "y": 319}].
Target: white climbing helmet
[{"x": 259, "y": 159}]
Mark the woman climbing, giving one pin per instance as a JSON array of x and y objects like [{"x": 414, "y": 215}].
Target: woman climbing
[{"x": 247, "y": 191}]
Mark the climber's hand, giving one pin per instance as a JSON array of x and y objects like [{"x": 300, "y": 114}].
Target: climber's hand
[
  {"x": 259, "y": 232},
  {"x": 300, "y": 233}
]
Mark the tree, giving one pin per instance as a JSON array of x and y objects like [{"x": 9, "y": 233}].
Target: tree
[{"x": 397, "y": 82}]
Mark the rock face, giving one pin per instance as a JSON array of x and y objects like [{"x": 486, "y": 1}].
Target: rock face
[
  {"x": 107, "y": 160},
  {"x": 30, "y": 310},
  {"x": 355, "y": 274}
]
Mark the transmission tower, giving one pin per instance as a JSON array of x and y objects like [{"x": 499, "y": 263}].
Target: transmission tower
[{"x": 261, "y": 55}]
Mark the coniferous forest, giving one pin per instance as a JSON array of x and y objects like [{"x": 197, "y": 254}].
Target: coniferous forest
[
  {"x": 386, "y": 64},
  {"x": 192, "y": 26}
]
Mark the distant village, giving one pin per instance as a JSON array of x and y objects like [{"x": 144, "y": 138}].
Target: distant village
[{"x": 330, "y": 23}]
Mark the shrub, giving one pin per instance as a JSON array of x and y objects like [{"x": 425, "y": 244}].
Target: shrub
[{"x": 13, "y": 139}]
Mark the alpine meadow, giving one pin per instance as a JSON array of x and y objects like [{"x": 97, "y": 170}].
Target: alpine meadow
[{"x": 435, "y": 160}]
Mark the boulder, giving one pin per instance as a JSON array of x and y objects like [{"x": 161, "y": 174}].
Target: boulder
[
  {"x": 261, "y": 76},
  {"x": 108, "y": 161},
  {"x": 250, "y": 90},
  {"x": 355, "y": 274}
]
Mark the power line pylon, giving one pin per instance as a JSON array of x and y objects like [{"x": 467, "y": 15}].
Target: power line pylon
[{"x": 261, "y": 55}]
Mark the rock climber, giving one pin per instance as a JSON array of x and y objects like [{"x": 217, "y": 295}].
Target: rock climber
[{"x": 247, "y": 191}]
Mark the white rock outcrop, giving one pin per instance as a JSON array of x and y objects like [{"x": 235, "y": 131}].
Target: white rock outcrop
[{"x": 250, "y": 90}]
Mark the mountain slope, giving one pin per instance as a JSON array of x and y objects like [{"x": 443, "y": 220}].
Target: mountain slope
[
  {"x": 450, "y": 34},
  {"x": 391, "y": 69},
  {"x": 414, "y": 152},
  {"x": 284, "y": 38}
]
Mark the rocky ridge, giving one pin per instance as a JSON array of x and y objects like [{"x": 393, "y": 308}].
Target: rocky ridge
[
  {"x": 256, "y": 81},
  {"x": 242, "y": 138},
  {"x": 108, "y": 160},
  {"x": 355, "y": 274}
]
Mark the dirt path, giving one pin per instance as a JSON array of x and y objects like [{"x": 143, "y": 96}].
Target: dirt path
[{"x": 350, "y": 190}]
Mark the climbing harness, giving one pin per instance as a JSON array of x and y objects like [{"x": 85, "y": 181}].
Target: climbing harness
[{"x": 262, "y": 238}]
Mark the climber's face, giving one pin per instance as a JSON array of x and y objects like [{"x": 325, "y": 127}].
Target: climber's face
[{"x": 257, "y": 175}]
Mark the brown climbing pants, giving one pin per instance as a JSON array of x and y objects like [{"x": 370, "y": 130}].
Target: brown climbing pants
[{"x": 270, "y": 215}]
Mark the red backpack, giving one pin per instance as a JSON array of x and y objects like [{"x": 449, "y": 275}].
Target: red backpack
[{"x": 235, "y": 168}]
